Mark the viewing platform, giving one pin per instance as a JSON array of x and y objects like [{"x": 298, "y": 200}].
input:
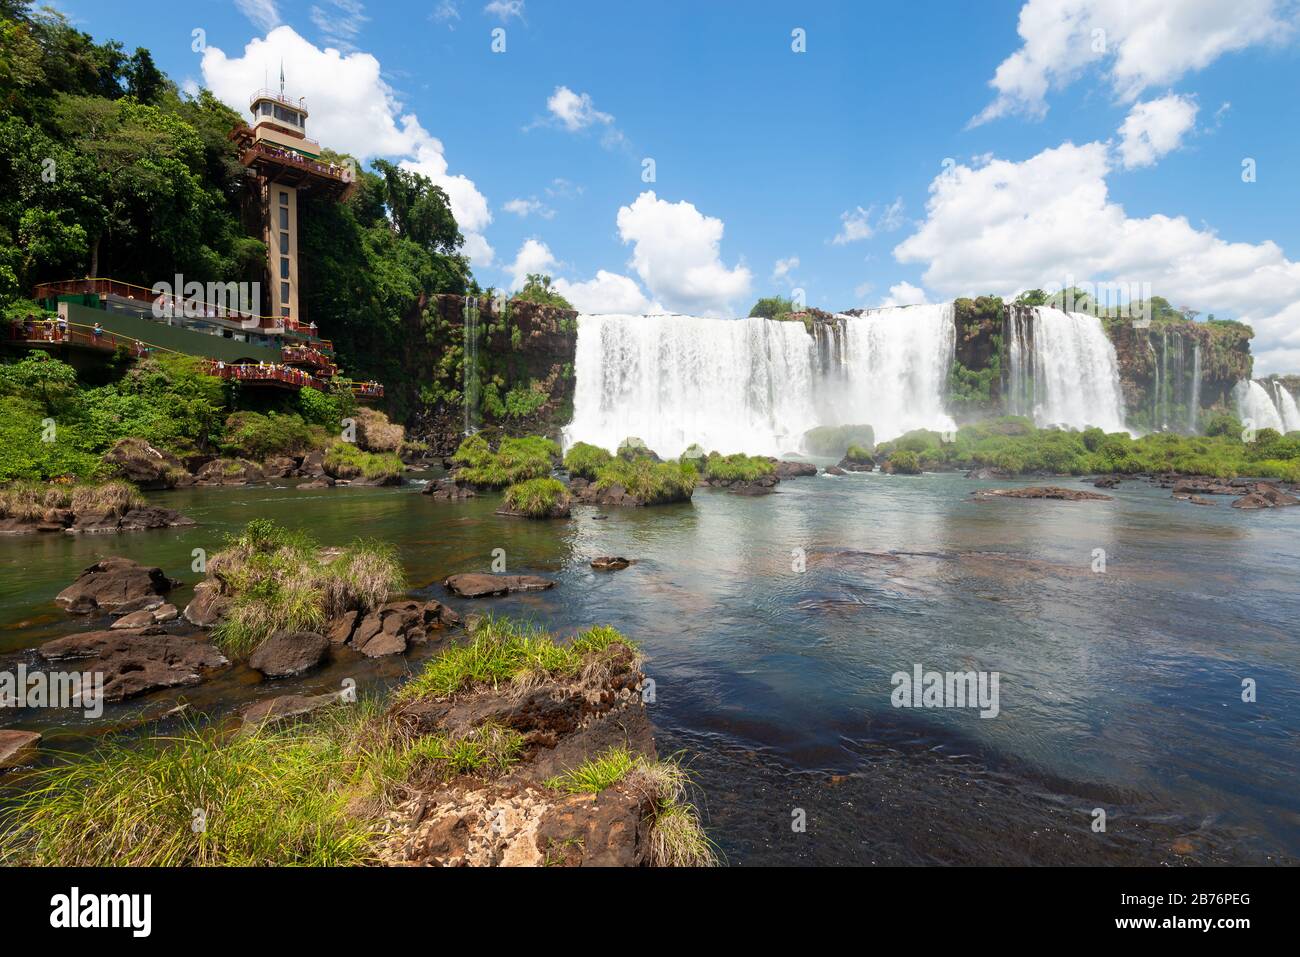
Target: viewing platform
[{"x": 280, "y": 164}]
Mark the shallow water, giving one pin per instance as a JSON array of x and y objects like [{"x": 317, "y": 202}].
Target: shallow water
[{"x": 1118, "y": 690}]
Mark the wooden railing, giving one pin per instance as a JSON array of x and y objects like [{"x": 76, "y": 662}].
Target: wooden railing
[
  {"x": 270, "y": 374},
  {"x": 42, "y": 332},
  {"x": 260, "y": 148},
  {"x": 146, "y": 296}
]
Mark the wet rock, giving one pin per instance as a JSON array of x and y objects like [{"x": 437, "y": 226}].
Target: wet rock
[
  {"x": 1042, "y": 491},
  {"x": 1204, "y": 486},
  {"x": 17, "y": 748},
  {"x": 289, "y": 653},
  {"x": 229, "y": 472},
  {"x": 138, "y": 619},
  {"x": 136, "y": 662},
  {"x": 446, "y": 490},
  {"x": 279, "y": 466},
  {"x": 151, "y": 516},
  {"x": 208, "y": 606},
  {"x": 112, "y": 583},
  {"x": 835, "y": 470},
  {"x": 313, "y": 465},
  {"x": 1265, "y": 495},
  {"x": 561, "y": 509},
  {"x": 392, "y": 628},
  {"x": 482, "y": 585},
  {"x": 1194, "y": 499},
  {"x": 608, "y": 563},
  {"x": 763, "y": 485},
  {"x": 283, "y": 708},
  {"x": 340, "y": 629},
  {"x": 139, "y": 462},
  {"x": 852, "y": 465},
  {"x": 787, "y": 470},
  {"x": 1106, "y": 481},
  {"x": 987, "y": 473}
]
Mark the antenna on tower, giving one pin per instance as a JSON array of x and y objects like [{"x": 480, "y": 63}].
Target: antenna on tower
[{"x": 282, "y": 78}]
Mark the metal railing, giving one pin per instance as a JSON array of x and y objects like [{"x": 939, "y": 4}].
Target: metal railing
[{"x": 335, "y": 171}]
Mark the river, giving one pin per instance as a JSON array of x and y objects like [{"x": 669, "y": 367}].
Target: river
[{"x": 772, "y": 627}]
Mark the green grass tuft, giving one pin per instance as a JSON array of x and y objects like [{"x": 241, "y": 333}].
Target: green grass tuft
[
  {"x": 651, "y": 482},
  {"x": 537, "y": 497},
  {"x": 585, "y": 461},
  {"x": 736, "y": 468}
]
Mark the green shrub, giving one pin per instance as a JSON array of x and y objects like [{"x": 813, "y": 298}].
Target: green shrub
[
  {"x": 537, "y": 498},
  {"x": 650, "y": 482},
  {"x": 857, "y": 454},
  {"x": 515, "y": 460},
  {"x": 255, "y": 436},
  {"x": 905, "y": 462},
  {"x": 344, "y": 460},
  {"x": 736, "y": 468},
  {"x": 584, "y": 460}
]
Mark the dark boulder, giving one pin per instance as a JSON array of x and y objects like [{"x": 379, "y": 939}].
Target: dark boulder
[
  {"x": 136, "y": 662},
  {"x": 112, "y": 583},
  {"x": 1042, "y": 491},
  {"x": 289, "y": 653},
  {"x": 447, "y": 490},
  {"x": 139, "y": 462},
  {"x": 607, "y": 563}
]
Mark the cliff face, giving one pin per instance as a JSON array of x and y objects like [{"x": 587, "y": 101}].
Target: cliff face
[
  {"x": 975, "y": 386},
  {"x": 1158, "y": 367},
  {"x": 488, "y": 364}
]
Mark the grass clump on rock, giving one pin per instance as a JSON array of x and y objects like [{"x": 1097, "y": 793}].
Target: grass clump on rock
[
  {"x": 501, "y": 651},
  {"x": 856, "y": 453},
  {"x": 584, "y": 460},
  {"x": 514, "y": 460},
  {"x": 736, "y": 468},
  {"x": 650, "y": 482},
  {"x": 31, "y": 500},
  {"x": 676, "y": 836},
  {"x": 345, "y": 460},
  {"x": 538, "y": 498},
  {"x": 281, "y": 580}
]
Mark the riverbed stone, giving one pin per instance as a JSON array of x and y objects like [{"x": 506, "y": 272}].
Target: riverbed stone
[
  {"x": 17, "y": 748},
  {"x": 111, "y": 583},
  {"x": 282, "y": 708},
  {"x": 448, "y": 490},
  {"x": 289, "y": 653},
  {"x": 208, "y": 606},
  {"x": 610, "y": 563},
  {"x": 483, "y": 585},
  {"x": 1042, "y": 491},
  {"x": 136, "y": 662}
]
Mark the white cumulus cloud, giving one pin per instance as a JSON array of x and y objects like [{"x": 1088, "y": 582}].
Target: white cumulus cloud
[
  {"x": 904, "y": 294},
  {"x": 1137, "y": 44},
  {"x": 534, "y": 256},
  {"x": 353, "y": 110},
  {"x": 609, "y": 293},
  {"x": 676, "y": 252},
  {"x": 1155, "y": 128},
  {"x": 784, "y": 267},
  {"x": 1046, "y": 220}
]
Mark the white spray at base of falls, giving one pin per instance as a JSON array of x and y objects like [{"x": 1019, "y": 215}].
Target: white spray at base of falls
[
  {"x": 1062, "y": 370},
  {"x": 756, "y": 385},
  {"x": 1268, "y": 406}
]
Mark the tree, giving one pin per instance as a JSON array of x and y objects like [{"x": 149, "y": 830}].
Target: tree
[
  {"x": 537, "y": 288},
  {"x": 772, "y": 307},
  {"x": 144, "y": 81},
  {"x": 1032, "y": 297}
]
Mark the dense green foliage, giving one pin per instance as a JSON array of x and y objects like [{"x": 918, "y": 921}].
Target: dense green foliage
[
  {"x": 514, "y": 460},
  {"x": 584, "y": 460},
  {"x": 537, "y": 498},
  {"x": 344, "y": 460},
  {"x": 651, "y": 482},
  {"x": 1014, "y": 445},
  {"x": 537, "y": 288},
  {"x": 54, "y": 424},
  {"x": 736, "y": 468}
]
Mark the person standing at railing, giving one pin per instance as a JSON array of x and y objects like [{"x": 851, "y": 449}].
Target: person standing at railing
[
  {"x": 63, "y": 327},
  {"x": 98, "y": 333}
]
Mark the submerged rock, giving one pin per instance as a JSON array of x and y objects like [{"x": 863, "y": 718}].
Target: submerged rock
[
  {"x": 113, "y": 583},
  {"x": 482, "y": 585},
  {"x": 1106, "y": 481},
  {"x": 607, "y": 563},
  {"x": 1265, "y": 495},
  {"x": 136, "y": 662},
  {"x": 17, "y": 748},
  {"x": 289, "y": 653},
  {"x": 1042, "y": 491}
]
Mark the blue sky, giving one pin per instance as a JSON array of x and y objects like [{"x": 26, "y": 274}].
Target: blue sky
[{"x": 781, "y": 152}]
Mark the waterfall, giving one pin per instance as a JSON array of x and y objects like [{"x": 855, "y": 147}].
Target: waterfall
[
  {"x": 1062, "y": 370},
  {"x": 730, "y": 385},
  {"x": 1194, "y": 406},
  {"x": 1255, "y": 406},
  {"x": 756, "y": 385},
  {"x": 469, "y": 364},
  {"x": 1286, "y": 407},
  {"x": 897, "y": 362}
]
